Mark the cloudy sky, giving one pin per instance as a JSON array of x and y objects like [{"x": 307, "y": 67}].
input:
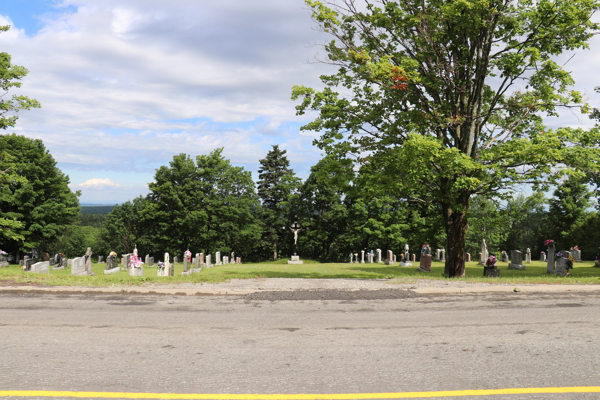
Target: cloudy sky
[{"x": 127, "y": 84}]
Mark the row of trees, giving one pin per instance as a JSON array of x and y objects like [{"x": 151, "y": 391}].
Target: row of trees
[{"x": 208, "y": 205}]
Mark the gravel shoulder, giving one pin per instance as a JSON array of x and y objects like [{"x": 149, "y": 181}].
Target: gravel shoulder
[{"x": 307, "y": 289}]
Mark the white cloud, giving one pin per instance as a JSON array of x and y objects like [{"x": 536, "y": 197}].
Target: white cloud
[{"x": 98, "y": 183}]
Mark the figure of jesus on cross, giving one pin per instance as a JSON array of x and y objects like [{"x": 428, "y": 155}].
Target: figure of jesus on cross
[{"x": 295, "y": 228}]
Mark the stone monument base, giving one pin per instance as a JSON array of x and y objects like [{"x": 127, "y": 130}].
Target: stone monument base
[
  {"x": 491, "y": 272},
  {"x": 112, "y": 271},
  {"x": 57, "y": 268},
  {"x": 406, "y": 264},
  {"x": 519, "y": 267},
  {"x": 295, "y": 260},
  {"x": 3, "y": 264}
]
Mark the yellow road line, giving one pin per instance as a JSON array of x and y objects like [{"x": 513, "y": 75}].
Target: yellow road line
[{"x": 340, "y": 396}]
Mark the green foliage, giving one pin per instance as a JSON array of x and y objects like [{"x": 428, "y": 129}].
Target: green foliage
[
  {"x": 94, "y": 220},
  {"x": 568, "y": 208},
  {"x": 10, "y": 77},
  {"x": 276, "y": 185},
  {"x": 99, "y": 210},
  {"x": 42, "y": 201},
  {"x": 430, "y": 97},
  {"x": 206, "y": 206}
]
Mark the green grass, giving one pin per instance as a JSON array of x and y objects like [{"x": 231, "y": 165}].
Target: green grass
[{"x": 583, "y": 273}]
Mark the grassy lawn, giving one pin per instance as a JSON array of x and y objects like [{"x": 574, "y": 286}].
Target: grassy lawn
[{"x": 583, "y": 273}]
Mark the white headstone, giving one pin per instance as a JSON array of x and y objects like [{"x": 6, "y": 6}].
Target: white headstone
[
  {"x": 41, "y": 267},
  {"x": 378, "y": 255},
  {"x": 78, "y": 266},
  {"x": 218, "y": 258},
  {"x": 362, "y": 256}
]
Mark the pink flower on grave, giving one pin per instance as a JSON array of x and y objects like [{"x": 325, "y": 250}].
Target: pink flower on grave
[
  {"x": 2, "y": 252},
  {"x": 135, "y": 261},
  {"x": 548, "y": 242}
]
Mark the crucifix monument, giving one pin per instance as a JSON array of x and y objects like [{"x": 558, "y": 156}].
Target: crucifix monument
[{"x": 295, "y": 258}]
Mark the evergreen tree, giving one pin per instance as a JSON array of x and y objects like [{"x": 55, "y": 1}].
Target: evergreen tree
[
  {"x": 42, "y": 201},
  {"x": 568, "y": 208},
  {"x": 277, "y": 183}
]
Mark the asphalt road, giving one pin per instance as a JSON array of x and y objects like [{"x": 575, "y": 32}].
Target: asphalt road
[{"x": 322, "y": 344}]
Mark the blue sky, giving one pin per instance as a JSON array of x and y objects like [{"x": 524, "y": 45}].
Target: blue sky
[{"x": 127, "y": 84}]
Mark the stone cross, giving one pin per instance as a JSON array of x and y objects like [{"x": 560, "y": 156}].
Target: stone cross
[{"x": 295, "y": 228}]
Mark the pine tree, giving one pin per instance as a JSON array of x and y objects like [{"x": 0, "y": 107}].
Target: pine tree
[{"x": 277, "y": 183}]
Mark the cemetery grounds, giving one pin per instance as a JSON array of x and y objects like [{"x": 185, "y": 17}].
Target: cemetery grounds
[{"x": 584, "y": 272}]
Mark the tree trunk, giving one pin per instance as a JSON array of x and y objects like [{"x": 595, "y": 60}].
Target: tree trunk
[{"x": 456, "y": 229}]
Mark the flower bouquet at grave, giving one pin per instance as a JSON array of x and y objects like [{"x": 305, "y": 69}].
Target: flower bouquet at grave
[
  {"x": 3, "y": 253},
  {"x": 135, "y": 261},
  {"x": 548, "y": 242},
  {"x": 559, "y": 255},
  {"x": 112, "y": 253},
  {"x": 160, "y": 266},
  {"x": 187, "y": 255},
  {"x": 575, "y": 247},
  {"x": 491, "y": 261}
]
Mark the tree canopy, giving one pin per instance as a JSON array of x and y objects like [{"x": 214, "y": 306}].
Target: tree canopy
[{"x": 441, "y": 100}]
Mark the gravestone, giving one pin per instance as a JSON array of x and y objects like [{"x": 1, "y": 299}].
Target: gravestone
[
  {"x": 3, "y": 260},
  {"x": 78, "y": 266},
  {"x": 351, "y": 258},
  {"x": 147, "y": 259},
  {"x": 576, "y": 254},
  {"x": 551, "y": 249},
  {"x": 100, "y": 258},
  {"x": 413, "y": 257},
  {"x": 111, "y": 265},
  {"x": 225, "y": 260},
  {"x": 47, "y": 257},
  {"x": 238, "y": 260},
  {"x": 467, "y": 257},
  {"x": 23, "y": 261},
  {"x": 566, "y": 254},
  {"x": 88, "y": 261},
  {"x": 201, "y": 258},
  {"x": 125, "y": 261},
  {"x": 174, "y": 260},
  {"x": 406, "y": 257},
  {"x": 208, "y": 261},
  {"x": 163, "y": 270},
  {"x": 443, "y": 255},
  {"x": 542, "y": 256},
  {"x": 561, "y": 266},
  {"x": 151, "y": 262},
  {"x": 394, "y": 257},
  {"x": 218, "y": 258},
  {"x": 186, "y": 265},
  {"x": 64, "y": 262},
  {"x": 504, "y": 256},
  {"x": 378, "y": 256},
  {"x": 232, "y": 258},
  {"x": 437, "y": 255},
  {"x": 425, "y": 262},
  {"x": 362, "y": 256},
  {"x": 137, "y": 271},
  {"x": 42, "y": 267},
  {"x": 516, "y": 260},
  {"x": 370, "y": 257},
  {"x": 390, "y": 258},
  {"x": 489, "y": 269},
  {"x": 28, "y": 263}
]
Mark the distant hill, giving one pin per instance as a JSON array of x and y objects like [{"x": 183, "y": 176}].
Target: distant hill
[{"x": 96, "y": 209}]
